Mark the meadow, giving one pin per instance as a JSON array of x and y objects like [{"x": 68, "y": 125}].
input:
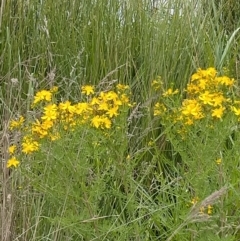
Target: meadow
[{"x": 119, "y": 120}]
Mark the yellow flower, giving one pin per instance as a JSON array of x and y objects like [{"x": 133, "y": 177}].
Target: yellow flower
[
  {"x": 219, "y": 161},
  {"x": 46, "y": 125},
  {"x": 192, "y": 89},
  {"x": 101, "y": 121},
  {"x": 42, "y": 95},
  {"x": 87, "y": 89},
  {"x": 113, "y": 111},
  {"x": 96, "y": 121},
  {"x": 157, "y": 83},
  {"x": 82, "y": 107},
  {"x": 12, "y": 162},
  {"x": 235, "y": 110},
  {"x": 106, "y": 122},
  {"x": 215, "y": 99},
  {"x": 192, "y": 108},
  {"x": 41, "y": 129},
  {"x": 194, "y": 200},
  {"x": 206, "y": 98},
  {"x": 189, "y": 121},
  {"x": 157, "y": 112},
  {"x": 224, "y": 80},
  {"x": 218, "y": 99},
  {"x": 95, "y": 101},
  {"x": 67, "y": 107},
  {"x": 218, "y": 113},
  {"x": 170, "y": 92},
  {"x": 54, "y": 89},
  {"x": 16, "y": 124},
  {"x": 103, "y": 96},
  {"x": 11, "y": 149},
  {"x": 151, "y": 143},
  {"x": 122, "y": 87},
  {"x": 209, "y": 73},
  {"x": 103, "y": 106},
  {"x": 209, "y": 210},
  {"x": 158, "y": 109},
  {"x": 203, "y": 83},
  {"x": 54, "y": 137},
  {"x": 110, "y": 95},
  {"x": 175, "y": 91},
  {"x": 124, "y": 99},
  {"x": 50, "y": 112},
  {"x": 29, "y": 145}
]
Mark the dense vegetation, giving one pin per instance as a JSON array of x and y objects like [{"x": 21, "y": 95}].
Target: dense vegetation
[{"x": 119, "y": 120}]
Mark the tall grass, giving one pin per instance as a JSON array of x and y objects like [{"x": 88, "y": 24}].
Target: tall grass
[{"x": 72, "y": 43}]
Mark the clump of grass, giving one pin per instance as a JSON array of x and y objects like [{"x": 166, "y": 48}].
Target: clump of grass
[
  {"x": 77, "y": 166},
  {"x": 67, "y": 156},
  {"x": 201, "y": 128}
]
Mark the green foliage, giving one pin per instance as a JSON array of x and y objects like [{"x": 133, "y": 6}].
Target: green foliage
[{"x": 137, "y": 180}]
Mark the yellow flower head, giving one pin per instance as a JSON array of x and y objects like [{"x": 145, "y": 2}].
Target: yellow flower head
[
  {"x": 192, "y": 89},
  {"x": 194, "y": 200},
  {"x": 12, "y": 149},
  {"x": 235, "y": 110},
  {"x": 209, "y": 209},
  {"x": 42, "y": 129},
  {"x": 206, "y": 98},
  {"x": 219, "y": 161},
  {"x": 50, "y": 112},
  {"x": 87, "y": 89},
  {"x": 192, "y": 108},
  {"x": 101, "y": 121},
  {"x": 209, "y": 73},
  {"x": 124, "y": 99},
  {"x": 151, "y": 143},
  {"x": 110, "y": 95},
  {"x": 16, "y": 124},
  {"x": 82, "y": 108},
  {"x": 157, "y": 83},
  {"x": 106, "y": 123},
  {"x": 42, "y": 95},
  {"x": 96, "y": 121},
  {"x": 12, "y": 162},
  {"x": 224, "y": 80},
  {"x": 95, "y": 101},
  {"x": 29, "y": 145},
  {"x": 67, "y": 107},
  {"x": 103, "y": 106},
  {"x": 113, "y": 112},
  {"x": 218, "y": 99},
  {"x": 159, "y": 109},
  {"x": 54, "y": 89},
  {"x": 122, "y": 87},
  {"x": 170, "y": 92},
  {"x": 218, "y": 113}
]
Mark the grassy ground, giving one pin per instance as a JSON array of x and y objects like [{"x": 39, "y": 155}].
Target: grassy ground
[{"x": 148, "y": 176}]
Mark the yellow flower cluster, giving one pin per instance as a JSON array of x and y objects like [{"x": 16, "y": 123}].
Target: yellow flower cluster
[
  {"x": 13, "y": 161},
  {"x": 29, "y": 145},
  {"x": 15, "y": 124},
  {"x": 98, "y": 111},
  {"x": 207, "y": 95}
]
